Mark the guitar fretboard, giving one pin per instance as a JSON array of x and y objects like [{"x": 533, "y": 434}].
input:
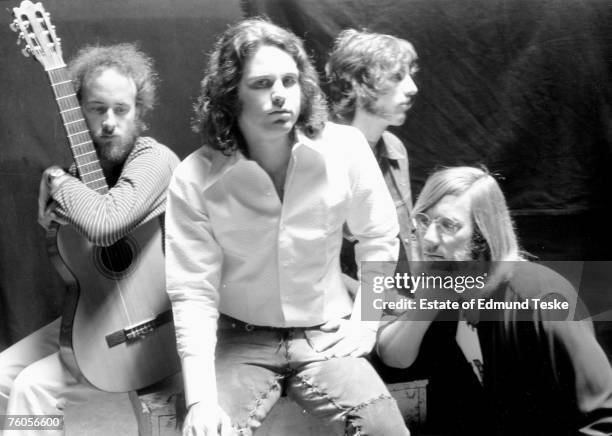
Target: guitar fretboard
[{"x": 81, "y": 144}]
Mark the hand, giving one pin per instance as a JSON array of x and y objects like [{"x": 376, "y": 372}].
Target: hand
[
  {"x": 204, "y": 420},
  {"x": 46, "y": 204},
  {"x": 353, "y": 338}
]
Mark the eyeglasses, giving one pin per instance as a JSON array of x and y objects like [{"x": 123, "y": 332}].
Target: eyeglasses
[{"x": 444, "y": 225}]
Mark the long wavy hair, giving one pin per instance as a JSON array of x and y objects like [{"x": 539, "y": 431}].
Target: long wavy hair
[
  {"x": 361, "y": 67},
  {"x": 218, "y": 106},
  {"x": 494, "y": 234},
  {"x": 129, "y": 61}
]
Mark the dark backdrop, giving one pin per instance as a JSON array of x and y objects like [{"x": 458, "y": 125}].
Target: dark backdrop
[{"x": 522, "y": 86}]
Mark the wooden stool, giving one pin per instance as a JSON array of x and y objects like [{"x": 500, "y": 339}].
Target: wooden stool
[{"x": 160, "y": 410}]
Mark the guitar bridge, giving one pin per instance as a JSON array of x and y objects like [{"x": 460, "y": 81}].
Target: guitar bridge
[{"x": 139, "y": 331}]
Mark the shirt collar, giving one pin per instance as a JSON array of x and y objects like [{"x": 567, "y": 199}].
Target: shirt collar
[
  {"x": 302, "y": 140},
  {"x": 219, "y": 164},
  {"x": 222, "y": 163},
  {"x": 388, "y": 149}
]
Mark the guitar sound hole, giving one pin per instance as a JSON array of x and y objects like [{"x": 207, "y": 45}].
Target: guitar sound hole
[{"x": 118, "y": 259}]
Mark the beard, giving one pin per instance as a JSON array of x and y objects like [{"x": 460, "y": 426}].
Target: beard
[
  {"x": 113, "y": 152},
  {"x": 461, "y": 254},
  {"x": 464, "y": 254}
]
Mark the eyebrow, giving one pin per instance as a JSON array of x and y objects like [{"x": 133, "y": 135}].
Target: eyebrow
[
  {"x": 102, "y": 103},
  {"x": 440, "y": 215},
  {"x": 268, "y": 75},
  {"x": 259, "y": 76}
]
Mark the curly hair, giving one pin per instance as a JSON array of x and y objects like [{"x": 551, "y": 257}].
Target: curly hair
[
  {"x": 128, "y": 60},
  {"x": 218, "y": 106},
  {"x": 361, "y": 65}
]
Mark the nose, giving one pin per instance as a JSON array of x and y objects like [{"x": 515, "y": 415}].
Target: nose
[
  {"x": 110, "y": 122},
  {"x": 431, "y": 237},
  {"x": 278, "y": 94},
  {"x": 409, "y": 88},
  {"x": 278, "y": 101}
]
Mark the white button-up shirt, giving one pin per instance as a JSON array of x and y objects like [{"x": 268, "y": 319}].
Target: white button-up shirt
[{"x": 233, "y": 247}]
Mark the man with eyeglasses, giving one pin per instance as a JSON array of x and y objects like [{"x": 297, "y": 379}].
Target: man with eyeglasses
[
  {"x": 542, "y": 374},
  {"x": 445, "y": 227}
]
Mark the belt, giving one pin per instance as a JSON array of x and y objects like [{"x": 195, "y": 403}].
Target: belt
[{"x": 228, "y": 323}]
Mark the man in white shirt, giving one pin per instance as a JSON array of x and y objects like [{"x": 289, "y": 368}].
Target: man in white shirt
[{"x": 254, "y": 230}]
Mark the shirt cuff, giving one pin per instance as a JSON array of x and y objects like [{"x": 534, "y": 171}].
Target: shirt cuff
[{"x": 200, "y": 381}]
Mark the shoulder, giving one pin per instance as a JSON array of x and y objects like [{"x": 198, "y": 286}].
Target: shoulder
[
  {"x": 147, "y": 146},
  {"x": 195, "y": 168},
  {"x": 394, "y": 144},
  {"x": 334, "y": 131},
  {"x": 341, "y": 139},
  {"x": 532, "y": 280}
]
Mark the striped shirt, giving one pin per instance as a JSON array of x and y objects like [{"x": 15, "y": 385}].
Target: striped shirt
[{"x": 138, "y": 196}]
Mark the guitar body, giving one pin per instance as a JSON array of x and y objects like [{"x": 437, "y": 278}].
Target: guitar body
[{"x": 111, "y": 289}]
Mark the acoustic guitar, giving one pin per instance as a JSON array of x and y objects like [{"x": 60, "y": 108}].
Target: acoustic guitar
[{"x": 117, "y": 331}]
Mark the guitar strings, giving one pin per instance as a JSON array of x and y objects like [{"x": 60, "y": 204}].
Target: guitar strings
[{"x": 65, "y": 97}]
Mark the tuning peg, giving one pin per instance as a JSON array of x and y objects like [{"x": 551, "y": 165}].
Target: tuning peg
[
  {"x": 26, "y": 52},
  {"x": 13, "y": 26}
]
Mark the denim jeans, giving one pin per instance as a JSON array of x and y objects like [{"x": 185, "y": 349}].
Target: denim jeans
[{"x": 253, "y": 368}]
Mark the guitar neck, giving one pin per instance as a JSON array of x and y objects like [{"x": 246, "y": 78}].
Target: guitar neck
[{"x": 81, "y": 144}]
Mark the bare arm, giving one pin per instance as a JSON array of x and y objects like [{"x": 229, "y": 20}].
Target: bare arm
[
  {"x": 399, "y": 339},
  {"x": 593, "y": 374}
]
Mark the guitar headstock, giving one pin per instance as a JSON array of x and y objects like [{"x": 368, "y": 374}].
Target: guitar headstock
[{"x": 34, "y": 26}]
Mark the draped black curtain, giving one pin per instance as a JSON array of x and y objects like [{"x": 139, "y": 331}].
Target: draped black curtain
[{"x": 522, "y": 86}]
